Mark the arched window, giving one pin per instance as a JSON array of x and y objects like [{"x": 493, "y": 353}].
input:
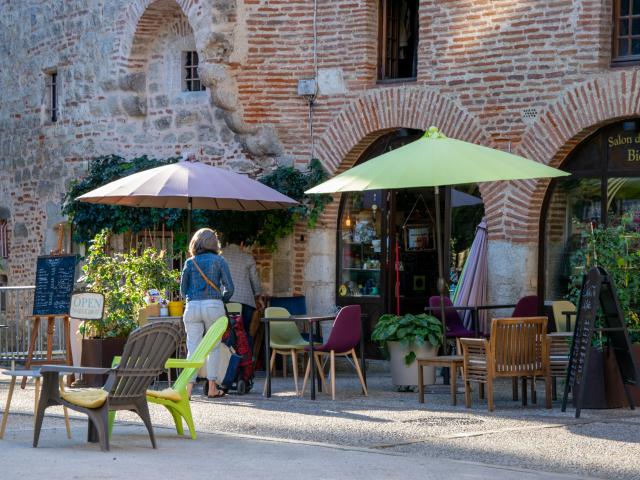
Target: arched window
[{"x": 604, "y": 185}]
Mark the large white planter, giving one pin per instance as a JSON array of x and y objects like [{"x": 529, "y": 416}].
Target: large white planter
[{"x": 407, "y": 375}]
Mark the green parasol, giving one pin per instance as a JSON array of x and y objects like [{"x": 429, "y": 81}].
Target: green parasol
[{"x": 434, "y": 161}]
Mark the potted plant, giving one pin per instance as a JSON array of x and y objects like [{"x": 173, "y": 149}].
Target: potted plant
[
  {"x": 406, "y": 338},
  {"x": 124, "y": 279}
]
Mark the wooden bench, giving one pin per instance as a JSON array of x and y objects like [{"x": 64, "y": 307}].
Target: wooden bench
[{"x": 453, "y": 362}]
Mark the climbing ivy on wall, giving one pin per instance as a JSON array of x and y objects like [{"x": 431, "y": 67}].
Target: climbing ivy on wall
[{"x": 262, "y": 228}]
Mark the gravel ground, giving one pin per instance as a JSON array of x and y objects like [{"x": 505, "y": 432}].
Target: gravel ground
[{"x": 601, "y": 443}]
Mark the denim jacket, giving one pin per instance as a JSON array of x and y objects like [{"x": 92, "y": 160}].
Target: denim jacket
[{"x": 194, "y": 287}]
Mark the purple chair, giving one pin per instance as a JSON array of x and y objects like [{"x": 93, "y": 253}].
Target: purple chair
[
  {"x": 526, "y": 307},
  {"x": 455, "y": 327},
  {"x": 343, "y": 339}
]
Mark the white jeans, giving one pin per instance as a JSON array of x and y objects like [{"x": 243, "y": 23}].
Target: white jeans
[{"x": 199, "y": 315}]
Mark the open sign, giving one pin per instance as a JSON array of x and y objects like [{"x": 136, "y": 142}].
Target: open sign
[{"x": 87, "y": 306}]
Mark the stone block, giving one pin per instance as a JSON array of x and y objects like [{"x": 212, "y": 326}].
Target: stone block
[
  {"x": 161, "y": 101},
  {"x": 186, "y": 137},
  {"x": 214, "y": 151},
  {"x": 162, "y": 123},
  {"x": 133, "y": 82},
  {"x": 20, "y": 230},
  {"x": 320, "y": 269},
  {"x": 331, "y": 82},
  {"x": 512, "y": 271},
  {"x": 135, "y": 106},
  {"x": 186, "y": 117},
  {"x": 264, "y": 142}
]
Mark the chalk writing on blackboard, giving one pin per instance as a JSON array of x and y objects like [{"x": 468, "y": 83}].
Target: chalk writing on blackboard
[{"x": 55, "y": 279}]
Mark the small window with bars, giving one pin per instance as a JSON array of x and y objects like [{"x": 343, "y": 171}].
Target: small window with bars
[
  {"x": 626, "y": 31},
  {"x": 191, "y": 78},
  {"x": 52, "y": 88}
]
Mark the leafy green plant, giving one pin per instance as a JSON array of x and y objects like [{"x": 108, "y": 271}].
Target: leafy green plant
[
  {"x": 616, "y": 249},
  {"x": 409, "y": 330},
  {"x": 263, "y": 228},
  {"x": 123, "y": 279}
]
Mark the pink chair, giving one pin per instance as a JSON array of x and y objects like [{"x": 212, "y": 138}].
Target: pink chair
[
  {"x": 526, "y": 307},
  {"x": 343, "y": 339},
  {"x": 455, "y": 327}
]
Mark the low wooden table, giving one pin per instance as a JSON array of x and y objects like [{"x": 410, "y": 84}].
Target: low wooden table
[{"x": 453, "y": 362}]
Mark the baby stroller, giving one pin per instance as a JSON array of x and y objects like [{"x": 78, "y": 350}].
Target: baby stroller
[{"x": 239, "y": 374}]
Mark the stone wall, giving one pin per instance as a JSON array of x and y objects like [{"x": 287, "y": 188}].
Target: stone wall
[
  {"x": 532, "y": 76},
  {"x": 117, "y": 95}
]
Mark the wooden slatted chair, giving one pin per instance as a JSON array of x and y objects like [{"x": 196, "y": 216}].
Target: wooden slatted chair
[
  {"x": 144, "y": 357},
  {"x": 518, "y": 347}
]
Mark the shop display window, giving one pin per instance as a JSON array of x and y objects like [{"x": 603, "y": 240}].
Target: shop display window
[
  {"x": 360, "y": 245},
  {"x": 604, "y": 187}
]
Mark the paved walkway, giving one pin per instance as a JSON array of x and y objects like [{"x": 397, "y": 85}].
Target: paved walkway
[
  {"x": 385, "y": 435},
  {"x": 227, "y": 456}
]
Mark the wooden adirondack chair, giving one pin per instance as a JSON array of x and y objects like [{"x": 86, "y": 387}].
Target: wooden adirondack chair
[
  {"x": 144, "y": 356},
  {"x": 518, "y": 347},
  {"x": 176, "y": 399}
]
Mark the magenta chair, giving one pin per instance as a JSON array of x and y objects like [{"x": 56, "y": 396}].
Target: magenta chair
[
  {"x": 343, "y": 339},
  {"x": 455, "y": 327},
  {"x": 526, "y": 307}
]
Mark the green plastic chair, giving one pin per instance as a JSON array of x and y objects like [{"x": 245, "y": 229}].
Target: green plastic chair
[
  {"x": 176, "y": 399},
  {"x": 285, "y": 340}
]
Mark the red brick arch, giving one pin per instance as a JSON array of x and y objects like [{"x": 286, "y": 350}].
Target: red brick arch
[
  {"x": 129, "y": 19},
  {"x": 379, "y": 111},
  {"x": 577, "y": 113}
]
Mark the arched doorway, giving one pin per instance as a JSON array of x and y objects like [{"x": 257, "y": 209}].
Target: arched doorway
[
  {"x": 603, "y": 187},
  {"x": 377, "y": 227}
]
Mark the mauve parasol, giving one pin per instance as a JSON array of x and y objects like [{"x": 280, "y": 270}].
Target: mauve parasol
[
  {"x": 189, "y": 185},
  {"x": 472, "y": 287}
]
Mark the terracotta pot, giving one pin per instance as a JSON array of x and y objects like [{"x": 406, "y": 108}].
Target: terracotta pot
[{"x": 99, "y": 352}]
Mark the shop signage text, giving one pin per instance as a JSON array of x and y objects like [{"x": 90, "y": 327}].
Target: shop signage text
[
  {"x": 633, "y": 154},
  {"x": 87, "y": 306}
]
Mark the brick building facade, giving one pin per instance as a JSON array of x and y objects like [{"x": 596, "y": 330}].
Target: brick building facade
[{"x": 535, "y": 77}]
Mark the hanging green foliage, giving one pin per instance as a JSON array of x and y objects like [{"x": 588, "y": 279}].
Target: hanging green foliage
[
  {"x": 262, "y": 228},
  {"x": 89, "y": 219},
  {"x": 616, "y": 248}
]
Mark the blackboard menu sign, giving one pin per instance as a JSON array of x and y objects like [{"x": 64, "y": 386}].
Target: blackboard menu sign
[
  {"x": 55, "y": 279},
  {"x": 598, "y": 296}
]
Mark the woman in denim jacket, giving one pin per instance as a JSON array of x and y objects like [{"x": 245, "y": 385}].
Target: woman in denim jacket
[{"x": 204, "y": 302}]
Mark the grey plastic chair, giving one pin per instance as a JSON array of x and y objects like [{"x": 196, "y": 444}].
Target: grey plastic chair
[{"x": 144, "y": 356}]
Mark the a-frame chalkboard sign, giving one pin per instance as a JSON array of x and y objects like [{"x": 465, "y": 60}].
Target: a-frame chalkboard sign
[
  {"x": 598, "y": 296},
  {"x": 55, "y": 279}
]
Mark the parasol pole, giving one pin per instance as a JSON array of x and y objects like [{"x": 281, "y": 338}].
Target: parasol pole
[
  {"x": 441, "y": 285},
  {"x": 189, "y": 207},
  {"x": 397, "y": 289}
]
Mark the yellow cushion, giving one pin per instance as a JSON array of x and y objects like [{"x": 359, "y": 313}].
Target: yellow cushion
[
  {"x": 86, "y": 397},
  {"x": 166, "y": 394}
]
